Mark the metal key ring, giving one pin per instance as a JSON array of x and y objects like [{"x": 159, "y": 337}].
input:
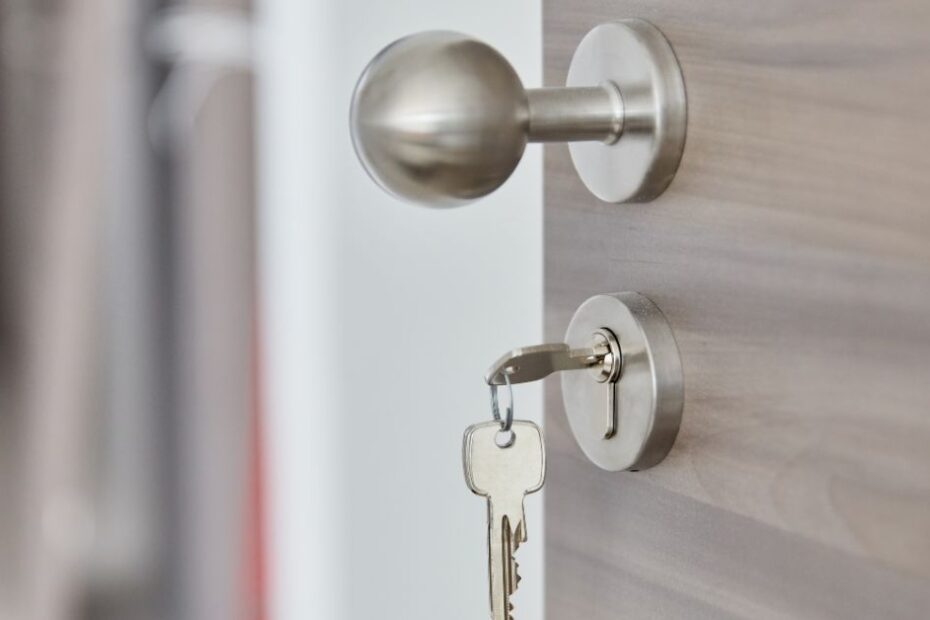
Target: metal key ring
[{"x": 507, "y": 422}]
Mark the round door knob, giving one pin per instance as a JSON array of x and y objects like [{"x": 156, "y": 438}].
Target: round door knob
[
  {"x": 439, "y": 118},
  {"x": 442, "y": 119}
]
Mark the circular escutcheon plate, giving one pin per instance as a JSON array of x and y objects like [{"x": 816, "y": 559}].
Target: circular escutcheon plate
[
  {"x": 649, "y": 394},
  {"x": 637, "y": 58}
]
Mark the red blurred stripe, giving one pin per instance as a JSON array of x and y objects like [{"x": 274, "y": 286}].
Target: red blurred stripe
[{"x": 254, "y": 603}]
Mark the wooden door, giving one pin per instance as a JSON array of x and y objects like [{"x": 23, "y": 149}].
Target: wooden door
[{"x": 791, "y": 255}]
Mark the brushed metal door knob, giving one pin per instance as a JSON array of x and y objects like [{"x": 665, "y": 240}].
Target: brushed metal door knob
[{"x": 442, "y": 119}]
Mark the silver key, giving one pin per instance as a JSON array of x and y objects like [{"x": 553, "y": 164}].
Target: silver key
[{"x": 504, "y": 476}]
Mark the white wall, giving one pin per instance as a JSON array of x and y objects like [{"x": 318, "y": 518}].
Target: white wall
[{"x": 379, "y": 320}]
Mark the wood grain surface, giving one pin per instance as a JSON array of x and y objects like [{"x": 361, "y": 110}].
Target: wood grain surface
[{"x": 792, "y": 257}]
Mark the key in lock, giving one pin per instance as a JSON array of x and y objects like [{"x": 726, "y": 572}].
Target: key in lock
[
  {"x": 627, "y": 415},
  {"x": 603, "y": 359}
]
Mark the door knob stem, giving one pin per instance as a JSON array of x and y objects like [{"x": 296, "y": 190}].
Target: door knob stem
[{"x": 585, "y": 114}]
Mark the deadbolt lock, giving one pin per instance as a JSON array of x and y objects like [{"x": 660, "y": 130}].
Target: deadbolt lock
[{"x": 622, "y": 382}]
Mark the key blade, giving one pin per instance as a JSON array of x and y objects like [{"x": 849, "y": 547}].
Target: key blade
[
  {"x": 500, "y": 569},
  {"x": 514, "y": 575},
  {"x": 518, "y": 536}
]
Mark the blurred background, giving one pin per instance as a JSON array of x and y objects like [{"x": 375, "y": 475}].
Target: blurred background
[{"x": 234, "y": 374}]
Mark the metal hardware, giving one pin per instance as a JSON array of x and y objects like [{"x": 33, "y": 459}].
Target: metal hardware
[
  {"x": 634, "y": 55},
  {"x": 648, "y": 398},
  {"x": 623, "y": 341},
  {"x": 608, "y": 371},
  {"x": 539, "y": 361},
  {"x": 442, "y": 119},
  {"x": 602, "y": 357},
  {"x": 504, "y": 475},
  {"x": 507, "y": 421}
]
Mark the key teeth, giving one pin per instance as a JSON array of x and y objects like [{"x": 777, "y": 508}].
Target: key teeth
[
  {"x": 518, "y": 536},
  {"x": 514, "y": 575},
  {"x": 514, "y": 583}
]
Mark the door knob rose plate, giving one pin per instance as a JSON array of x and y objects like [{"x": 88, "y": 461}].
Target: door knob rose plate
[
  {"x": 442, "y": 119},
  {"x": 648, "y": 396},
  {"x": 635, "y": 56}
]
